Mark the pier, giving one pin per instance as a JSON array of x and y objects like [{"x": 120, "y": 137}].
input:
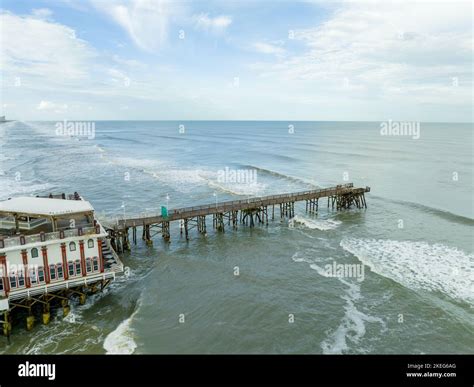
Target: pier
[
  {"x": 248, "y": 212},
  {"x": 79, "y": 254}
]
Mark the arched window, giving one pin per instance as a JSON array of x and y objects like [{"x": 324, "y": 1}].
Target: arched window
[
  {"x": 34, "y": 252},
  {"x": 90, "y": 243},
  {"x": 72, "y": 246}
]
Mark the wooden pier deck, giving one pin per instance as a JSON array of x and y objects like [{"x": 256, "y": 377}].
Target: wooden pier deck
[{"x": 246, "y": 211}]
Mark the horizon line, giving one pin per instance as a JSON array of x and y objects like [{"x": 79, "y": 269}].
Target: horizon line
[{"x": 243, "y": 120}]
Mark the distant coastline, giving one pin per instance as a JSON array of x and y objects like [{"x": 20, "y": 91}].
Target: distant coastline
[{"x": 2, "y": 120}]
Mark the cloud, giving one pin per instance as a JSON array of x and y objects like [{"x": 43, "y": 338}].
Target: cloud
[
  {"x": 145, "y": 21},
  {"x": 33, "y": 47},
  {"x": 219, "y": 23},
  {"x": 52, "y": 106},
  {"x": 400, "y": 51},
  {"x": 362, "y": 60},
  {"x": 267, "y": 48},
  {"x": 42, "y": 13},
  {"x": 119, "y": 77}
]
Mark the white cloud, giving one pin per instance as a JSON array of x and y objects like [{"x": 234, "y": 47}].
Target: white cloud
[
  {"x": 145, "y": 21},
  {"x": 119, "y": 77},
  {"x": 38, "y": 48},
  {"x": 402, "y": 52},
  {"x": 364, "y": 60},
  {"x": 267, "y": 48},
  {"x": 42, "y": 13},
  {"x": 131, "y": 63},
  {"x": 52, "y": 106},
  {"x": 218, "y": 23}
]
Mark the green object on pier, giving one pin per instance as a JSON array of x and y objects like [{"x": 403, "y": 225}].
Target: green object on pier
[{"x": 164, "y": 212}]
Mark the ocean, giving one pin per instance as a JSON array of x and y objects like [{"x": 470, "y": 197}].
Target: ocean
[{"x": 414, "y": 241}]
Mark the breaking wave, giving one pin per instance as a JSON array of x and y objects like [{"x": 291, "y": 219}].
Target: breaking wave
[
  {"x": 282, "y": 176},
  {"x": 121, "y": 340},
  {"x": 11, "y": 188},
  {"x": 418, "y": 265},
  {"x": 314, "y": 224},
  {"x": 450, "y": 216}
]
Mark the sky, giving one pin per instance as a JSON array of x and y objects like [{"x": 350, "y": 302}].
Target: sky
[{"x": 236, "y": 60}]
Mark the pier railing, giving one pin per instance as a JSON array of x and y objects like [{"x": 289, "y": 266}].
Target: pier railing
[{"x": 234, "y": 205}]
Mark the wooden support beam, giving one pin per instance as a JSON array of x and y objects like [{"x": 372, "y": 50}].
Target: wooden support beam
[{"x": 186, "y": 229}]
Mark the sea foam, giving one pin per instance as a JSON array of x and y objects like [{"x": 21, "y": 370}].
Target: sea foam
[
  {"x": 352, "y": 327},
  {"x": 418, "y": 265},
  {"x": 121, "y": 340},
  {"x": 314, "y": 224},
  {"x": 347, "y": 336}
]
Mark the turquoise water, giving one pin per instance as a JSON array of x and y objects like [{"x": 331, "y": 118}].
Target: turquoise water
[{"x": 414, "y": 240}]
